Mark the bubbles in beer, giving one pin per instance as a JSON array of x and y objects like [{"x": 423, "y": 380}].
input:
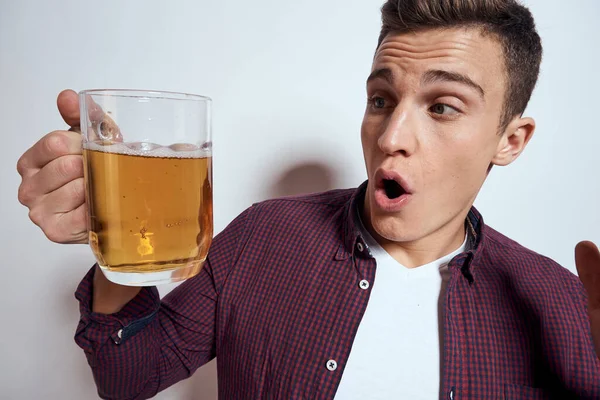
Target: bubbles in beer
[{"x": 178, "y": 223}]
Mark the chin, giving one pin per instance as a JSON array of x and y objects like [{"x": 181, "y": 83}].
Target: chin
[{"x": 394, "y": 228}]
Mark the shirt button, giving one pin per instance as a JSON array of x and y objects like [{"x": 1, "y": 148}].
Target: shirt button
[
  {"x": 364, "y": 284},
  {"x": 451, "y": 394},
  {"x": 331, "y": 365},
  {"x": 360, "y": 247}
]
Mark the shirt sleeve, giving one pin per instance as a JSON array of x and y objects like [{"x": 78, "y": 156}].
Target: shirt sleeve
[{"x": 151, "y": 344}]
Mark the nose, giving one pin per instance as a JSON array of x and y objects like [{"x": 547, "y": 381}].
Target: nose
[{"x": 398, "y": 134}]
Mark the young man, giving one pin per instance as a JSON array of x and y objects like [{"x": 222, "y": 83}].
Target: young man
[{"x": 335, "y": 295}]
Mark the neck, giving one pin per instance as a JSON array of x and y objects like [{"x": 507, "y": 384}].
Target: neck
[{"x": 435, "y": 245}]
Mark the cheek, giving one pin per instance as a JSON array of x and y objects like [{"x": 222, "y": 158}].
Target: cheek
[
  {"x": 472, "y": 173},
  {"x": 368, "y": 141},
  {"x": 458, "y": 165}
]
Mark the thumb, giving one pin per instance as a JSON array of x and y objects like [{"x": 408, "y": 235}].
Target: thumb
[
  {"x": 68, "y": 106},
  {"x": 587, "y": 260}
]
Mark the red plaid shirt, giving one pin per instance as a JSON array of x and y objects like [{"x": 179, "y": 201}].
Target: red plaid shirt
[{"x": 279, "y": 300}]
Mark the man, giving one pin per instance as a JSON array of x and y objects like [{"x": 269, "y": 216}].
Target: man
[{"x": 330, "y": 295}]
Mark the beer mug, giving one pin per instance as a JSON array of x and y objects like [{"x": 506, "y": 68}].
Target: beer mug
[{"x": 148, "y": 177}]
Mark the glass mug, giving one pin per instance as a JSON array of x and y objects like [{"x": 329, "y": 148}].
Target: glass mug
[{"x": 148, "y": 178}]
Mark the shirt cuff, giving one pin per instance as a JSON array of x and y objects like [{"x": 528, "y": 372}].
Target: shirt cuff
[{"x": 94, "y": 329}]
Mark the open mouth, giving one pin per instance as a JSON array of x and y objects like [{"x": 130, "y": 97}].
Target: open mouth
[{"x": 392, "y": 189}]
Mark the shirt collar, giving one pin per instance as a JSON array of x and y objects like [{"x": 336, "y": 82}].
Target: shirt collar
[
  {"x": 352, "y": 238},
  {"x": 351, "y": 233}
]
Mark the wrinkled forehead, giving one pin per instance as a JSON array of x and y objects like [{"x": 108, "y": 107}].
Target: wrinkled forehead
[{"x": 466, "y": 51}]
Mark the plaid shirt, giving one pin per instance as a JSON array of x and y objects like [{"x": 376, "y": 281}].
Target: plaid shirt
[{"x": 279, "y": 302}]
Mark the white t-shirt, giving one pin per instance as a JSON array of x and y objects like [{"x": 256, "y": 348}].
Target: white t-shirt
[{"x": 396, "y": 352}]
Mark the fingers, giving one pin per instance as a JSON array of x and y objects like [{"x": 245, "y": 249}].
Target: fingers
[
  {"x": 53, "y": 186},
  {"x": 587, "y": 260},
  {"x": 47, "y": 149},
  {"x": 108, "y": 129},
  {"x": 60, "y": 228},
  {"x": 55, "y": 194},
  {"x": 68, "y": 106},
  {"x": 94, "y": 110},
  {"x": 62, "y": 214},
  {"x": 66, "y": 198},
  {"x": 54, "y": 175},
  {"x": 65, "y": 223}
]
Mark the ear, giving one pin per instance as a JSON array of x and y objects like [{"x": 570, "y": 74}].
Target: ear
[{"x": 513, "y": 141}]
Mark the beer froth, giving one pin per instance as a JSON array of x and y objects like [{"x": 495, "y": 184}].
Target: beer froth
[{"x": 143, "y": 149}]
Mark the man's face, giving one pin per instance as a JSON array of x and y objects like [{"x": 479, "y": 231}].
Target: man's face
[{"x": 430, "y": 131}]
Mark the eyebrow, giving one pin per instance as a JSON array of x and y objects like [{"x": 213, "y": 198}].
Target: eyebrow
[
  {"x": 431, "y": 76},
  {"x": 437, "y": 75},
  {"x": 382, "y": 73}
]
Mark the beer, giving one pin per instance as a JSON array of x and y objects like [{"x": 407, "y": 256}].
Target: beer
[{"x": 149, "y": 211}]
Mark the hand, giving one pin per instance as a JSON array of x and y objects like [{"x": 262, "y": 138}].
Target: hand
[
  {"x": 587, "y": 259},
  {"x": 52, "y": 184}
]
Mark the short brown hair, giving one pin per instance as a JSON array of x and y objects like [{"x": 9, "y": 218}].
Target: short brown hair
[{"x": 509, "y": 21}]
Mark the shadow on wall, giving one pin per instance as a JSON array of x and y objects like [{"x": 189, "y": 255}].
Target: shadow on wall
[{"x": 308, "y": 177}]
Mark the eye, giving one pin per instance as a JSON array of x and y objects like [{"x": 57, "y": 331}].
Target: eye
[
  {"x": 443, "y": 109},
  {"x": 378, "y": 103}
]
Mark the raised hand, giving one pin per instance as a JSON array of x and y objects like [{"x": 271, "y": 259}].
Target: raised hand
[
  {"x": 587, "y": 259},
  {"x": 52, "y": 184}
]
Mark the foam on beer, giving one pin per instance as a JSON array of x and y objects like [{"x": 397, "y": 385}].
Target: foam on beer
[{"x": 150, "y": 150}]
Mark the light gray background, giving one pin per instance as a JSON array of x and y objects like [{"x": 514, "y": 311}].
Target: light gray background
[{"x": 287, "y": 79}]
